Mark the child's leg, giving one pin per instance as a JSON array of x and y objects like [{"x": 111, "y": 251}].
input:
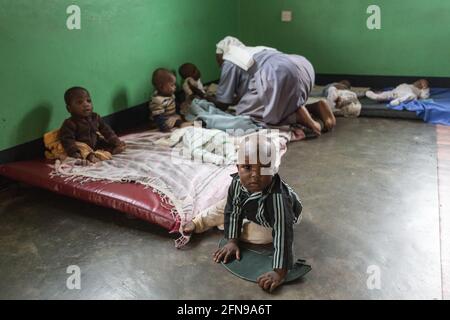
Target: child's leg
[
  {"x": 402, "y": 99},
  {"x": 255, "y": 233},
  {"x": 322, "y": 110},
  {"x": 211, "y": 217},
  {"x": 380, "y": 96},
  {"x": 84, "y": 149}
]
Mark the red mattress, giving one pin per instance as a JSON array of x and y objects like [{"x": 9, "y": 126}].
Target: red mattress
[{"x": 125, "y": 197}]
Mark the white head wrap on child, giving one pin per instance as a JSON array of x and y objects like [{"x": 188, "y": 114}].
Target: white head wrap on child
[{"x": 262, "y": 148}]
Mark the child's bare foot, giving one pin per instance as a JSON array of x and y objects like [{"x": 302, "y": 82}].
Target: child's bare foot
[
  {"x": 92, "y": 158},
  {"x": 189, "y": 227}
]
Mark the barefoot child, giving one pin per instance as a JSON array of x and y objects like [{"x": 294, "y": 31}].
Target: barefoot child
[
  {"x": 403, "y": 93},
  {"x": 85, "y": 133},
  {"x": 192, "y": 85},
  {"x": 258, "y": 194},
  {"x": 162, "y": 106}
]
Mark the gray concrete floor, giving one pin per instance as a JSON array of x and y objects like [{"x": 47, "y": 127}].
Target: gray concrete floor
[{"x": 370, "y": 197}]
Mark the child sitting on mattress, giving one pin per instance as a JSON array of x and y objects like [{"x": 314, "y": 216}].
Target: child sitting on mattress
[
  {"x": 85, "y": 135},
  {"x": 403, "y": 93},
  {"x": 192, "y": 85},
  {"x": 260, "y": 208},
  {"x": 162, "y": 105},
  {"x": 341, "y": 99}
]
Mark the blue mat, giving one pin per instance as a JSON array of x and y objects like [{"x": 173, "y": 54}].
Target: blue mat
[{"x": 434, "y": 110}]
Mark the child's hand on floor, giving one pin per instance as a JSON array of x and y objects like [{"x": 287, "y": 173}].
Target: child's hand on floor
[
  {"x": 227, "y": 252},
  {"x": 271, "y": 280}
]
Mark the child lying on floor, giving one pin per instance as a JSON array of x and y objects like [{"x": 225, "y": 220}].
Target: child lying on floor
[
  {"x": 162, "y": 105},
  {"x": 402, "y": 93},
  {"x": 260, "y": 208},
  {"x": 85, "y": 135},
  {"x": 342, "y": 100}
]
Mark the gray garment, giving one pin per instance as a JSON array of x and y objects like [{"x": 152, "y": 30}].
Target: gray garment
[
  {"x": 279, "y": 85},
  {"x": 233, "y": 83}
]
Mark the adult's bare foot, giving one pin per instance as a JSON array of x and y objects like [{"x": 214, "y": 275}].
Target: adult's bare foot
[
  {"x": 304, "y": 118},
  {"x": 327, "y": 116},
  {"x": 316, "y": 127}
]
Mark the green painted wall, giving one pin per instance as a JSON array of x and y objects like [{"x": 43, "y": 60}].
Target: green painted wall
[
  {"x": 122, "y": 41},
  {"x": 113, "y": 55},
  {"x": 414, "y": 38}
]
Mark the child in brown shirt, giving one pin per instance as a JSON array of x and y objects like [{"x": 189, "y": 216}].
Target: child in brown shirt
[{"x": 87, "y": 127}]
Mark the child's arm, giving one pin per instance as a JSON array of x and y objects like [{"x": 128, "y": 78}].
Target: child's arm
[
  {"x": 232, "y": 212},
  {"x": 283, "y": 237},
  {"x": 67, "y": 137},
  {"x": 233, "y": 224},
  {"x": 111, "y": 137},
  {"x": 191, "y": 90},
  {"x": 283, "y": 234},
  {"x": 196, "y": 91},
  {"x": 108, "y": 133},
  {"x": 297, "y": 206}
]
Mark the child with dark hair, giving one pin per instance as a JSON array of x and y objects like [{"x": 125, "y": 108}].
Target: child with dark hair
[
  {"x": 163, "y": 106},
  {"x": 84, "y": 133},
  {"x": 341, "y": 99},
  {"x": 192, "y": 85}
]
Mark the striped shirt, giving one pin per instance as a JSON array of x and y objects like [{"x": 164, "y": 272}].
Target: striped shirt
[
  {"x": 162, "y": 106},
  {"x": 277, "y": 207}
]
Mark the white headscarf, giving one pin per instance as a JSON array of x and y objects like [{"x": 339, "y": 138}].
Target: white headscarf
[
  {"x": 224, "y": 45},
  {"x": 236, "y": 52}
]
